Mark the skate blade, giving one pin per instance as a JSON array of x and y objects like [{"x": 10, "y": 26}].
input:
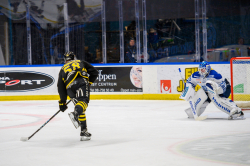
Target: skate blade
[
  {"x": 75, "y": 123},
  {"x": 83, "y": 138},
  {"x": 238, "y": 118}
]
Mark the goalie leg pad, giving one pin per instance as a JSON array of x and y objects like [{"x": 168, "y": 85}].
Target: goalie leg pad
[
  {"x": 224, "y": 104},
  {"x": 189, "y": 113},
  {"x": 196, "y": 103},
  {"x": 199, "y": 112}
]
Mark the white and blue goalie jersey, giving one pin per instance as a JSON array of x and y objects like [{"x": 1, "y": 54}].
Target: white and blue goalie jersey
[{"x": 196, "y": 78}]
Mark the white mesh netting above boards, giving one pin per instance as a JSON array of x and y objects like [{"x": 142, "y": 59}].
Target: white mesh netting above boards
[{"x": 240, "y": 81}]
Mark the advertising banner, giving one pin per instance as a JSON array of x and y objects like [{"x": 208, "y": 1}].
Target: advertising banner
[
  {"x": 170, "y": 81},
  {"x": 132, "y": 80},
  {"x": 17, "y": 81},
  {"x": 29, "y": 81},
  {"x": 118, "y": 79}
]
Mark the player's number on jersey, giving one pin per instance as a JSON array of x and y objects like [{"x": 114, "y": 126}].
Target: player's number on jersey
[{"x": 74, "y": 66}]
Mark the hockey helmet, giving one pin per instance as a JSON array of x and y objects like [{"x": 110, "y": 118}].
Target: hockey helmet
[
  {"x": 69, "y": 56},
  {"x": 204, "y": 69}
]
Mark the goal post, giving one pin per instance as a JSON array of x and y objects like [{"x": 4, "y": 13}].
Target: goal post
[{"x": 240, "y": 81}]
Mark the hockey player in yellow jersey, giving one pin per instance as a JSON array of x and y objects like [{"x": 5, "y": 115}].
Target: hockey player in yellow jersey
[{"x": 74, "y": 80}]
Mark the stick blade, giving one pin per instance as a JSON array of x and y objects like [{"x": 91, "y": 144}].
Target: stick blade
[
  {"x": 24, "y": 139},
  {"x": 200, "y": 118}
]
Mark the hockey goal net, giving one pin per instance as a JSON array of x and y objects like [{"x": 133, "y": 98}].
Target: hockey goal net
[{"x": 240, "y": 81}]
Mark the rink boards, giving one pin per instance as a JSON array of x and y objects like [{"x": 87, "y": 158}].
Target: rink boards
[{"x": 159, "y": 81}]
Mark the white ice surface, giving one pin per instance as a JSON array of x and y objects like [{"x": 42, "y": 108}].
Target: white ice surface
[{"x": 124, "y": 133}]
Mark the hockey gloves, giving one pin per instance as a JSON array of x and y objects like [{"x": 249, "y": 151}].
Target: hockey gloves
[
  {"x": 62, "y": 106},
  {"x": 215, "y": 87}
]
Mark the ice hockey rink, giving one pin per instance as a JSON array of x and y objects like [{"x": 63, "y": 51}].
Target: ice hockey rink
[{"x": 124, "y": 133}]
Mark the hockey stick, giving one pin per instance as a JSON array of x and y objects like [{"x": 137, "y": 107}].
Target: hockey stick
[
  {"x": 200, "y": 118},
  {"x": 182, "y": 78},
  {"x": 27, "y": 138}
]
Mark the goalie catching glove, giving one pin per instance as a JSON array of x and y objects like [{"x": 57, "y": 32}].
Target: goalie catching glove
[
  {"x": 214, "y": 86},
  {"x": 62, "y": 106}
]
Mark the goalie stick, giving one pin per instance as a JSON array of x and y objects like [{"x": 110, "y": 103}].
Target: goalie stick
[
  {"x": 27, "y": 138},
  {"x": 182, "y": 78}
]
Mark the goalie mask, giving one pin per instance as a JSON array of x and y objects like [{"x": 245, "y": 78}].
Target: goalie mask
[
  {"x": 204, "y": 69},
  {"x": 68, "y": 56}
]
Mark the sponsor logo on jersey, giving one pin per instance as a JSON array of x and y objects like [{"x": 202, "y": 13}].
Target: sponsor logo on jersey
[
  {"x": 219, "y": 105},
  {"x": 165, "y": 86},
  {"x": 198, "y": 80},
  {"x": 24, "y": 81}
]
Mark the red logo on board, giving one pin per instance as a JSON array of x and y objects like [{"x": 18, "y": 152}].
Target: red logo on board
[{"x": 165, "y": 86}]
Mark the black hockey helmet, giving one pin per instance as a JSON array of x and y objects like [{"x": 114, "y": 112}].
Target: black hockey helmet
[{"x": 68, "y": 56}]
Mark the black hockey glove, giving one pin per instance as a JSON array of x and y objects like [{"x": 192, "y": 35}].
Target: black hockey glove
[{"x": 62, "y": 106}]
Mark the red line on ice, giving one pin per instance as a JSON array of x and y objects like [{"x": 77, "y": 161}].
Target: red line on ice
[{"x": 41, "y": 120}]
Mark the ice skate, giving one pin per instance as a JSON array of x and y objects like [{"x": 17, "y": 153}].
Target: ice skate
[
  {"x": 74, "y": 118},
  {"x": 85, "y": 135},
  {"x": 237, "y": 116}
]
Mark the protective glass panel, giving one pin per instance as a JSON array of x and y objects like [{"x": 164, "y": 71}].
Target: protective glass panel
[
  {"x": 131, "y": 33},
  {"x": 85, "y": 29},
  {"x": 228, "y": 29},
  {"x": 47, "y": 30},
  {"x": 112, "y": 31},
  {"x": 5, "y": 40},
  {"x": 171, "y": 30},
  {"x": 167, "y": 31}
]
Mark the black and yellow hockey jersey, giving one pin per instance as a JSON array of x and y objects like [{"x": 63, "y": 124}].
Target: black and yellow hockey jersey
[{"x": 70, "y": 71}]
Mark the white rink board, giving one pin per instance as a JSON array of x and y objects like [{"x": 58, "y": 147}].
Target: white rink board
[
  {"x": 171, "y": 72},
  {"x": 152, "y": 76}
]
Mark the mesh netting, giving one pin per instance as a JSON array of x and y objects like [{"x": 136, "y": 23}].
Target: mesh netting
[{"x": 240, "y": 72}]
